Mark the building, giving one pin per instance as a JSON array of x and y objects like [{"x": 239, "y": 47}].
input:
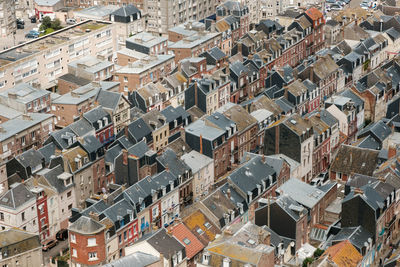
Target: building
[
  {"x": 91, "y": 68},
  {"x": 20, "y": 248},
  {"x": 22, "y": 133},
  {"x": 294, "y": 137},
  {"x": 147, "y": 43},
  {"x": 18, "y": 209},
  {"x": 95, "y": 12},
  {"x": 148, "y": 69},
  {"x": 342, "y": 254},
  {"x": 8, "y": 25},
  {"x": 47, "y": 8},
  {"x": 54, "y": 52},
  {"x": 167, "y": 14},
  {"x": 25, "y": 98},
  {"x": 136, "y": 259},
  {"x": 102, "y": 123},
  {"x": 129, "y": 21}
]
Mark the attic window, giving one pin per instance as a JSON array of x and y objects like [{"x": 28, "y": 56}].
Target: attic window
[
  {"x": 199, "y": 231},
  {"x": 186, "y": 241},
  {"x": 207, "y": 225},
  {"x": 251, "y": 242}
]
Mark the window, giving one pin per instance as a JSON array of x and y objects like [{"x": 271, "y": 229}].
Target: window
[
  {"x": 120, "y": 239},
  {"x": 1, "y": 216},
  {"x": 186, "y": 241},
  {"x": 70, "y": 207},
  {"x": 73, "y": 238},
  {"x": 92, "y": 256},
  {"x": 91, "y": 242},
  {"x": 74, "y": 253},
  {"x": 125, "y": 236},
  {"x": 200, "y": 231},
  {"x": 23, "y": 216},
  {"x": 70, "y": 192},
  {"x": 207, "y": 225}
]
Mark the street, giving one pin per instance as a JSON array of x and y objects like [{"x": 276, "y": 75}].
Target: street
[{"x": 57, "y": 250}]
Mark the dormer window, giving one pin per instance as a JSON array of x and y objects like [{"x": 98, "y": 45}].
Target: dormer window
[
  {"x": 105, "y": 121},
  {"x": 164, "y": 190},
  {"x": 100, "y": 123}
]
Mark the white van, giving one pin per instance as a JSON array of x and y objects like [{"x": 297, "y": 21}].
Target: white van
[{"x": 70, "y": 21}]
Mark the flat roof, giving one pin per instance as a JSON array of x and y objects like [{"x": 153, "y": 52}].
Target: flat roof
[
  {"x": 146, "y": 39},
  {"x": 194, "y": 40},
  {"x": 91, "y": 64},
  {"x": 53, "y": 39},
  {"x": 145, "y": 64}
]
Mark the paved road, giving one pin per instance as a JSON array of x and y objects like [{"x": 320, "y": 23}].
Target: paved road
[
  {"x": 19, "y": 36},
  {"x": 62, "y": 245}
]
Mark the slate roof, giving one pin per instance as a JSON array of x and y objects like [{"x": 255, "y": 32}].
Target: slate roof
[
  {"x": 74, "y": 79},
  {"x": 14, "y": 236},
  {"x": 16, "y": 197},
  {"x": 301, "y": 192},
  {"x": 356, "y": 235},
  {"x": 350, "y": 159},
  {"x": 165, "y": 244},
  {"x": 47, "y": 151},
  {"x": 30, "y": 158},
  {"x": 179, "y": 146},
  {"x": 108, "y": 99},
  {"x": 378, "y": 130},
  {"x": 90, "y": 143},
  {"x": 192, "y": 245},
  {"x": 137, "y": 259},
  {"x": 92, "y": 116},
  {"x": 216, "y": 53},
  {"x": 86, "y": 226},
  {"x": 284, "y": 104},
  {"x": 51, "y": 175},
  {"x": 126, "y": 11},
  {"x": 369, "y": 142},
  {"x": 81, "y": 127},
  {"x": 139, "y": 149},
  {"x": 169, "y": 159},
  {"x": 196, "y": 161},
  {"x": 112, "y": 153},
  {"x": 138, "y": 129}
]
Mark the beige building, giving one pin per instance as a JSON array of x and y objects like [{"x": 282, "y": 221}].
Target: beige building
[
  {"x": 23, "y": 249},
  {"x": 159, "y": 128},
  {"x": 7, "y": 18},
  {"x": 165, "y": 14},
  {"x": 42, "y": 60}
]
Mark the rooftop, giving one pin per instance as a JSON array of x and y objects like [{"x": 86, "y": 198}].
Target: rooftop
[
  {"x": 145, "y": 64},
  {"x": 146, "y": 39}
]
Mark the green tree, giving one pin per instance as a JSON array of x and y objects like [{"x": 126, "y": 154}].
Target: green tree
[
  {"x": 318, "y": 252},
  {"x": 307, "y": 262},
  {"x": 56, "y": 24},
  {"x": 46, "y": 23}
]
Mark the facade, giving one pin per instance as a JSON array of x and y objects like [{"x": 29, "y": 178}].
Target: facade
[
  {"x": 57, "y": 50},
  {"x": 8, "y": 25},
  {"x": 92, "y": 68}
]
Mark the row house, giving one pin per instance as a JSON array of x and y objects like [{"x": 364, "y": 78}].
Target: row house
[
  {"x": 102, "y": 123},
  {"x": 187, "y": 29},
  {"x": 208, "y": 94},
  {"x": 239, "y": 75},
  {"x": 44, "y": 59},
  {"x": 302, "y": 24},
  {"x": 315, "y": 199},
  {"x": 70, "y": 106},
  {"x": 159, "y": 128},
  {"x": 314, "y": 98},
  {"x": 24, "y": 132},
  {"x": 294, "y": 137},
  {"x": 373, "y": 89},
  {"x": 256, "y": 63},
  {"x": 326, "y": 74},
  {"x": 126, "y": 56},
  {"x": 118, "y": 106},
  {"x": 246, "y": 130},
  {"x": 264, "y": 119},
  {"x": 194, "y": 45},
  {"x": 26, "y": 164},
  {"x": 147, "y": 43},
  {"x": 193, "y": 68},
  {"x": 25, "y": 98},
  {"x": 18, "y": 209},
  {"x": 293, "y": 48},
  {"x": 333, "y": 125},
  {"x": 230, "y": 29},
  {"x": 148, "y": 69},
  {"x": 297, "y": 94},
  {"x": 215, "y": 57},
  {"x": 270, "y": 27},
  {"x": 316, "y": 18},
  {"x": 150, "y": 96},
  {"x": 322, "y": 145},
  {"x": 213, "y": 142},
  {"x": 176, "y": 83},
  {"x": 239, "y": 11},
  {"x": 177, "y": 118},
  {"x": 377, "y": 218},
  {"x": 91, "y": 68}
]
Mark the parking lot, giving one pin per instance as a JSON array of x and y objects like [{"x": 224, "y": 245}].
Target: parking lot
[{"x": 19, "y": 36}]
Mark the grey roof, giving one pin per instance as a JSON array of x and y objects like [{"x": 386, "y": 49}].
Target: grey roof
[
  {"x": 290, "y": 206},
  {"x": 96, "y": 11},
  {"x": 126, "y": 11},
  {"x": 379, "y": 131},
  {"x": 301, "y": 192},
  {"x": 21, "y": 123},
  {"x": 284, "y": 104},
  {"x": 51, "y": 175},
  {"x": 90, "y": 143},
  {"x": 46, "y": 2},
  {"x": 139, "y": 149},
  {"x": 98, "y": 113},
  {"x": 194, "y": 40},
  {"x": 220, "y": 120},
  {"x": 356, "y": 99},
  {"x": 328, "y": 118},
  {"x": 169, "y": 159},
  {"x": 138, "y": 129},
  {"x": 8, "y": 112},
  {"x": 171, "y": 113},
  {"x": 108, "y": 99},
  {"x": 47, "y": 151},
  {"x": 137, "y": 259},
  {"x": 198, "y": 128},
  {"x": 356, "y": 235},
  {"x": 196, "y": 161},
  {"x": 393, "y": 33},
  {"x": 91, "y": 64},
  {"x": 112, "y": 153},
  {"x": 25, "y": 93},
  {"x": 251, "y": 174},
  {"x": 86, "y": 226},
  {"x": 216, "y": 53},
  {"x": 118, "y": 209},
  {"x": 16, "y": 197},
  {"x": 83, "y": 93},
  {"x": 81, "y": 127},
  {"x": 145, "y": 64},
  {"x": 369, "y": 142},
  {"x": 30, "y": 158},
  {"x": 165, "y": 244},
  {"x": 146, "y": 39},
  {"x": 69, "y": 77}
]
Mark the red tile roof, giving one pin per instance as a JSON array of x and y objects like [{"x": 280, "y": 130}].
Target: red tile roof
[
  {"x": 314, "y": 13},
  {"x": 180, "y": 232}
]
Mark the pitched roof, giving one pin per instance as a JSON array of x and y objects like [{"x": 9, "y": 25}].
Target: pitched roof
[
  {"x": 344, "y": 254},
  {"x": 201, "y": 226},
  {"x": 126, "y": 11},
  {"x": 188, "y": 239},
  {"x": 86, "y": 226},
  {"x": 314, "y": 13},
  {"x": 16, "y": 197},
  {"x": 30, "y": 158},
  {"x": 350, "y": 159},
  {"x": 164, "y": 243}
]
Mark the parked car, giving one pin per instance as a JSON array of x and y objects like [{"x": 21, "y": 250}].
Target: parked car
[
  {"x": 20, "y": 21},
  {"x": 49, "y": 244},
  {"x": 33, "y": 19},
  {"x": 32, "y": 34},
  {"x": 70, "y": 21},
  {"x": 62, "y": 234},
  {"x": 20, "y": 26},
  {"x": 336, "y": 7},
  {"x": 316, "y": 182}
]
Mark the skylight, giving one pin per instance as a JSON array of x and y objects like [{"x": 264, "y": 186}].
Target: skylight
[
  {"x": 199, "y": 231},
  {"x": 207, "y": 225},
  {"x": 186, "y": 241}
]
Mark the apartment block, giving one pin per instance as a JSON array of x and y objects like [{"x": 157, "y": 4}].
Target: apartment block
[
  {"x": 166, "y": 14},
  {"x": 42, "y": 60},
  {"x": 147, "y": 43}
]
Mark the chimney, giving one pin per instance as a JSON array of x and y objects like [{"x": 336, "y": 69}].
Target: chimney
[
  {"x": 124, "y": 156},
  {"x": 94, "y": 216},
  {"x": 228, "y": 193},
  {"x": 201, "y": 144},
  {"x": 26, "y": 117},
  {"x": 358, "y": 191}
]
